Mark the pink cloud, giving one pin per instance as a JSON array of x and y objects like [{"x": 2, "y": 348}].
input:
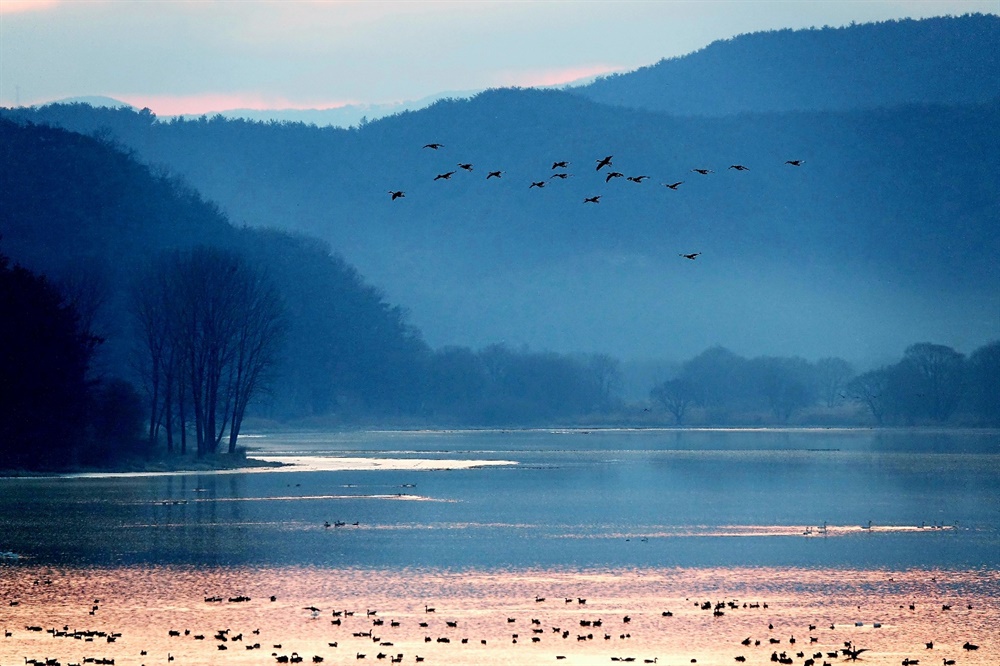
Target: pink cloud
[
  {"x": 13, "y": 6},
  {"x": 209, "y": 103},
  {"x": 554, "y": 77}
]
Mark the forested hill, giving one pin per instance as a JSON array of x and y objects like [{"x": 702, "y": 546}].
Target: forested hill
[
  {"x": 886, "y": 232},
  {"x": 951, "y": 60},
  {"x": 91, "y": 217}
]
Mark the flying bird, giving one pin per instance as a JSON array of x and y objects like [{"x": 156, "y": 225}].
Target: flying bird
[
  {"x": 560, "y": 165},
  {"x": 739, "y": 167},
  {"x": 537, "y": 183},
  {"x": 703, "y": 172},
  {"x": 690, "y": 256},
  {"x": 613, "y": 174},
  {"x": 444, "y": 176},
  {"x": 397, "y": 194},
  {"x": 434, "y": 146},
  {"x": 466, "y": 166},
  {"x": 562, "y": 176},
  {"x": 637, "y": 179},
  {"x": 596, "y": 199},
  {"x": 494, "y": 174},
  {"x": 673, "y": 186},
  {"x": 794, "y": 162},
  {"x": 605, "y": 162}
]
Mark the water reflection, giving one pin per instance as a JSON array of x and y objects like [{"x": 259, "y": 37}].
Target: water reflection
[{"x": 712, "y": 613}]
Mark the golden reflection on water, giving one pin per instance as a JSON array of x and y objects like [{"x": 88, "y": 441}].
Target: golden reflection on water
[{"x": 144, "y": 604}]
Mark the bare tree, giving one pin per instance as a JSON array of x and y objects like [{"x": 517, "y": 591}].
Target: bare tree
[
  {"x": 832, "y": 375},
  {"x": 212, "y": 327},
  {"x": 676, "y": 395}
]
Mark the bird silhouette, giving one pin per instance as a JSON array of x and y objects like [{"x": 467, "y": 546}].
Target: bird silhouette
[
  {"x": 739, "y": 167},
  {"x": 690, "y": 256},
  {"x": 444, "y": 176},
  {"x": 466, "y": 166},
  {"x": 434, "y": 146},
  {"x": 613, "y": 174},
  {"x": 673, "y": 186},
  {"x": 604, "y": 162},
  {"x": 561, "y": 176},
  {"x": 396, "y": 194},
  {"x": 560, "y": 165},
  {"x": 537, "y": 183},
  {"x": 494, "y": 174},
  {"x": 596, "y": 199},
  {"x": 703, "y": 172},
  {"x": 795, "y": 162},
  {"x": 637, "y": 179}
]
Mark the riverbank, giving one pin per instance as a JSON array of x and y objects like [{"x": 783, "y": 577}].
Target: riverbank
[{"x": 162, "y": 463}]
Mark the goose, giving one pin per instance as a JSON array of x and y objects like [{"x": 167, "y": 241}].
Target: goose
[
  {"x": 560, "y": 165},
  {"x": 434, "y": 146},
  {"x": 691, "y": 256},
  {"x": 594, "y": 199},
  {"x": 795, "y": 162},
  {"x": 465, "y": 165},
  {"x": 604, "y": 162},
  {"x": 396, "y": 194},
  {"x": 613, "y": 174},
  {"x": 739, "y": 167},
  {"x": 673, "y": 186},
  {"x": 703, "y": 172},
  {"x": 494, "y": 174},
  {"x": 537, "y": 183},
  {"x": 444, "y": 176}
]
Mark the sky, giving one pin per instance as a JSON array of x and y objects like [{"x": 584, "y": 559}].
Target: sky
[{"x": 202, "y": 56}]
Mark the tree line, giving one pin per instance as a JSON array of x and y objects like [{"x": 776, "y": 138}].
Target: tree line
[{"x": 931, "y": 384}]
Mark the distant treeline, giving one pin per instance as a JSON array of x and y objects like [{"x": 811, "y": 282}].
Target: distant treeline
[{"x": 930, "y": 385}]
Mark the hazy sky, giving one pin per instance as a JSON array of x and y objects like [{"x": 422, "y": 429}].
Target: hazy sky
[{"x": 198, "y": 56}]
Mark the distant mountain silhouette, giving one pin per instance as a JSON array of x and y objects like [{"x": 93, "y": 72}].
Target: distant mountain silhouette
[
  {"x": 886, "y": 232},
  {"x": 95, "y": 101},
  {"x": 953, "y": 60}
]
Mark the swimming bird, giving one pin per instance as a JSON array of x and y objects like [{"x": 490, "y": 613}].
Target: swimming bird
[
  {"x": 604, "y": 162},
  {"x": 396, "y": 194},
  {"x": 690, "y": 256},
  {"x": 444, "y": 176},
  {"x": 434, "y": 146},
  {"x": 673, "y": 186}
]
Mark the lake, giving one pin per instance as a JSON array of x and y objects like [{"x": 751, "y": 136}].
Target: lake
[{"x": 827, "y": 528}]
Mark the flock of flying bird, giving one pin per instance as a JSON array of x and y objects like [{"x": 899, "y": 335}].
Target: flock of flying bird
[{"x": 604, "y": 162}]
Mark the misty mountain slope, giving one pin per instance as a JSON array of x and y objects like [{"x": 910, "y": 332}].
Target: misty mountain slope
[
  {"x": 946, "y": 60},
  {"x": 887, "y": 233},
  {"x": 83, "y": 212}
]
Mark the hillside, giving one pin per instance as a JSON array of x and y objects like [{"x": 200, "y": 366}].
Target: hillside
[
  {"x": 88, "y": 215},
  {"x": 885, "y": 234},
  {"x": 947, "y": 60}
]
